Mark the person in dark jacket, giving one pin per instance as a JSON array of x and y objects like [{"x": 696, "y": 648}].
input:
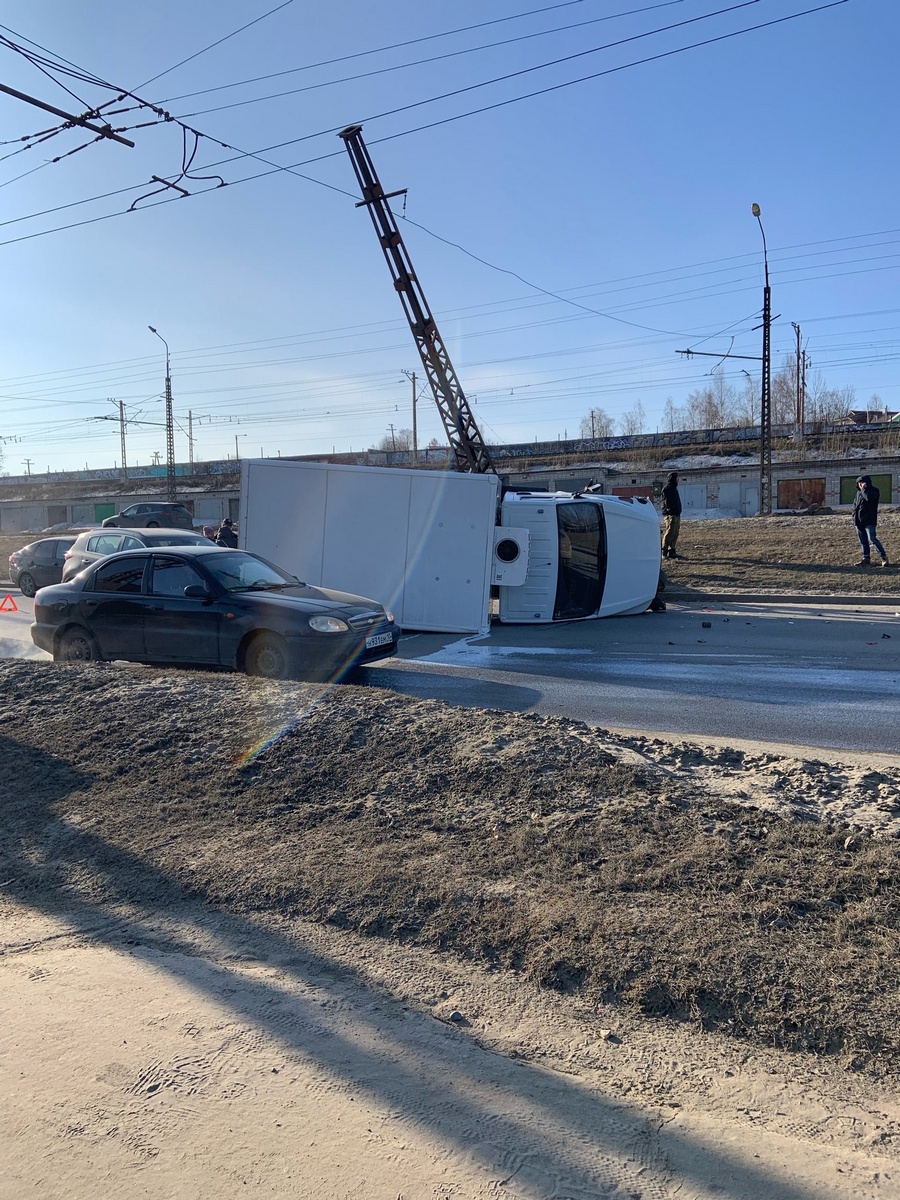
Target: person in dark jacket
[
  {"x": 226, "y": 535},
  {"x": 865, "y": 518},
  {"x": 671, "y": 513}
]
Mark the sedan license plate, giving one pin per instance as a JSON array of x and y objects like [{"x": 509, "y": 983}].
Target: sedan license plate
[{"x": 379, "y": 639}]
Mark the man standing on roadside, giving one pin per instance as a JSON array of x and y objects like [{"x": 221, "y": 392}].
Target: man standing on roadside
[
  {"x": 226, "y": 535},
  {"x": 865, "y": 518},
  {"x": 671, "y": 513}
]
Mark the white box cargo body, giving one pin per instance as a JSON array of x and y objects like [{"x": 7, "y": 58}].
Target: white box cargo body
[
  {"x": 427, "y": 544},
  {"x": 420, "y": 542}
]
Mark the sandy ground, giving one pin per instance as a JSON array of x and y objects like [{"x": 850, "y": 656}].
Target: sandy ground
[
  {"x": 197, "y": 1056},
  {"x": 174, "y": 1025}
]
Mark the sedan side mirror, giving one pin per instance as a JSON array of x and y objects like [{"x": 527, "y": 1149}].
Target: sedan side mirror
[{"x": 196, "y": 591}]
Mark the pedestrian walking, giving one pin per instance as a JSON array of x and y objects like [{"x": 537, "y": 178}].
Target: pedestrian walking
[
  {"x": 865, "y": 518},
  {"x": 226, "y": 535},
  {"x": 671, "y": 513},
  {"x": 209, "y": 531}
]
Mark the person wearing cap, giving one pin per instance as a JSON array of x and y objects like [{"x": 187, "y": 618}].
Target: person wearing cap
[
  {"x": 226, "y": 535},
  {"x": 671, "y": 514},
  {"x": 865, "y": 518}
]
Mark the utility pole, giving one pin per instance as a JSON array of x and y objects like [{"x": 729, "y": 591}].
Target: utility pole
[
  {"x": 191, "y": 440},
  {"x": 765, "y": 402},
  {"x": 393, "y": 439},
  {"x": 801, "y": 384},
  {"x": 170, "y": 424},
  {"x": 120, "y": 404},
  {"x": 469, "y": 448},
  {"x": 26, "y": 463},
  {"x": 411, "y": 375}
]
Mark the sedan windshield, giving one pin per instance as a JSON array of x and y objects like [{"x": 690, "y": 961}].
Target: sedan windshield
[{"x": 238, "y": 571}]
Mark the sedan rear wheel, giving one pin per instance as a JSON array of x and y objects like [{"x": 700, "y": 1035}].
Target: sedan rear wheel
[
  {"x": 76, "y": 645},
  {"x": 267, "y": 657},
  {"x": 27, "y": 586},
  {"x": 153, "y": 524}
]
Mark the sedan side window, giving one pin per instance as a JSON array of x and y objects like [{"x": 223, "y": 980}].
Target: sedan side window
[
  {"x": 105, "y": 543},
  {"x": 171, "y": 576},
  {"x": 131, "y": 511},
  {"x": 119, "y": 577},
  {"x": 43, "y": 552},
  {"x": 131, "y": 543}
]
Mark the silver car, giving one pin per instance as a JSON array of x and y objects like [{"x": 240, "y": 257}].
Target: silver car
[{"x": 98, "y": 543}]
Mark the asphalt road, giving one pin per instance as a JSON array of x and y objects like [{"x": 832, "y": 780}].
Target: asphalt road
[
  {"x": 789, "y": 674},
  {"x": 795, "y": 675}
]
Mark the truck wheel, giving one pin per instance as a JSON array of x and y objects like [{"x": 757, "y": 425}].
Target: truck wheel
[
  {"x": 27, "y": 586},
  {"x": 267, "y": 657},
  {"x": 76, "y": 645}
]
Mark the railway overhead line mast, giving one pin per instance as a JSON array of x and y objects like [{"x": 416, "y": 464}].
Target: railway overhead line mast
[{"x": 469, "y": 449}]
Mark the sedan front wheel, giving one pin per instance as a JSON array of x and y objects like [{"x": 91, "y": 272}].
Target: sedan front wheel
[
  {"x": 76, "y": 645},
  {"x": 267, "y": 657}
]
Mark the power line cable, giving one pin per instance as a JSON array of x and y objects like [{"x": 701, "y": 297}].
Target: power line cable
[
  {"x": 292, "y": 168},
  {"x": 393, "y": 46},
  {"x": 415, "y": 63},
  {"x": 219, "y": 42}
]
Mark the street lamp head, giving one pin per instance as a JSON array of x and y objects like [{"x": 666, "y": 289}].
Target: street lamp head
[
  {"x": 756, "y": 210},
  {"x": 152, "y": 330}
]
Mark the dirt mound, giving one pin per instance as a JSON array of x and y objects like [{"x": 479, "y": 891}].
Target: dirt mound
[{"x": 618, "y": 868}]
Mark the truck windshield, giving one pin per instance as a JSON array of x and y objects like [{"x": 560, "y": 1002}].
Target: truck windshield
[{"x": 582, "y": 560}]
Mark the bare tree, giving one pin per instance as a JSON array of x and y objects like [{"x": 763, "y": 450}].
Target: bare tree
[
  {"x": 633, "y": 421},
  {"x": 747, "y": 401},
  {"x": 827, "y": 405},
  {"x": 672, "y": 416},
  {"x": 597, "y": 424},
  {"x": 398, "y": 439},
  {"x": 714, "y": 407}
]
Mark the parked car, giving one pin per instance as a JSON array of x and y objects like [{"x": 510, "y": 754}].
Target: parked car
[
  {"x": 213, "y": 606},
  {"x": 88, "y": 547},
  {"x": 38, "y": 564},
  {"x": 151, "y": 516}
]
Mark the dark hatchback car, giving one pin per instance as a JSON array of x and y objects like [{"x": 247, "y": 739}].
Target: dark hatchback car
[
  {"x": 152, "y": 516},
  {"x": 95, "y": 544},
  {"x": 39, "y": 563},
  {"x": 207, "y": 605}
]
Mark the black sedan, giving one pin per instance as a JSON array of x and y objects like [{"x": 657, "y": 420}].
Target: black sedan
[
  {"x": 39, "y": 563},
  {"x": 206, "y": 605}
]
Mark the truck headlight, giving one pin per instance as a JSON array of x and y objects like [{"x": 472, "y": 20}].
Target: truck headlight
[{"x": 324, "y": 624}]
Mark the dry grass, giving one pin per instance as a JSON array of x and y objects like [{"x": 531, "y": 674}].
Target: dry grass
[{"x": 810, "y": 555}]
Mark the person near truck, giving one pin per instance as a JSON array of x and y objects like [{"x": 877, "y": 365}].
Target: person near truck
[
  {"x": 671, "y": 514},
  {"x": 226, "y": 535},
  {"x": 865, "y": 518}
]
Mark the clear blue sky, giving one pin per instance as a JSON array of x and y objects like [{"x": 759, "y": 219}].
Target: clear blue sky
[{"x": 628, "y": 193}]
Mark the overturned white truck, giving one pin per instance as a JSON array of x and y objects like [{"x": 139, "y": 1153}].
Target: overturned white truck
[{"x": 431, "y": 545}]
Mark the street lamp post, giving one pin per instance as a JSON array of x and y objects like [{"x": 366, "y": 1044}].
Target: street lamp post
[
  {"x": 765, "y": 401},
  {"x": 170, "y": 424}
]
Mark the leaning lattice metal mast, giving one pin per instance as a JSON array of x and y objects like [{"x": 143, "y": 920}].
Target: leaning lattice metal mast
[{"x": 465, "y": 438}]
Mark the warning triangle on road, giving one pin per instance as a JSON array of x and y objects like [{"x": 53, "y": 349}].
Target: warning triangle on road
[{"x": 8, "y": 604}]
